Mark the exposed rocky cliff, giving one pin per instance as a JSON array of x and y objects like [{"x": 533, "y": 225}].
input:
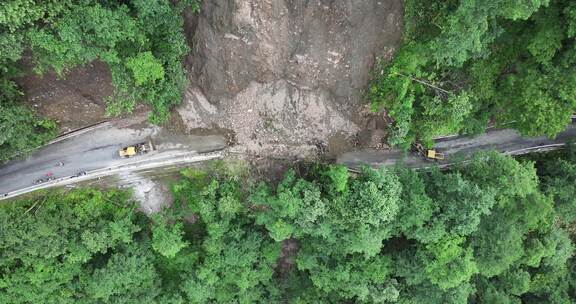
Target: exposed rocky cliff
[{"x": 285, "y": 76}]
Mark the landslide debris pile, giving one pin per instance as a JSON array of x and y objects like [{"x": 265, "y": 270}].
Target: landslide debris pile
[{"x": 285, "y": 76}]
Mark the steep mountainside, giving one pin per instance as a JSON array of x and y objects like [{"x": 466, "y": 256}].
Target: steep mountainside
[{"x": 285, "y": 76}]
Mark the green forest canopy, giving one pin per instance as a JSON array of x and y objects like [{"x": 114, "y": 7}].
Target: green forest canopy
[
  {"x": 495, "y": 231},
  {"x": 464, "y": 63},
  {"x": 142, "y": 41}
]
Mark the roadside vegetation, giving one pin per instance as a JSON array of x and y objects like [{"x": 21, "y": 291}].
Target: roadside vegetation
[
  {"x": 465, "y": 64},
  {"x": 142, "y": 42},
  {"x": 497, "y": 230},
  {"x": 20, "y": 129}
]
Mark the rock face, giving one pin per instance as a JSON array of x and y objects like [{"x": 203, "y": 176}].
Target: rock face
[{"x": 285, "y": 75}]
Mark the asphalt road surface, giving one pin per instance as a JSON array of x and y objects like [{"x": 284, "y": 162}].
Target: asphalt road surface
[
  {"x": 457, "y": 148},
  {"x": 96, "y": 152}
]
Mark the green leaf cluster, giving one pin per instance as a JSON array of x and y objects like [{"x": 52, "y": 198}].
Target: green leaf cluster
[
  {"x": 467, "y": 63},
  {"x": 142, "y": 42},
  {"x": 20, "y": 129}
]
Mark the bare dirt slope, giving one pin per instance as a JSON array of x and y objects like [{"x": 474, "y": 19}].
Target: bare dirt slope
[
  {"x": 75, "y": 100},
  {"x": 286, "y": 76}
]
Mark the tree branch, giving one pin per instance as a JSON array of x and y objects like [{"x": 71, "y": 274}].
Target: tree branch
[{"x": 424, "y": 83}]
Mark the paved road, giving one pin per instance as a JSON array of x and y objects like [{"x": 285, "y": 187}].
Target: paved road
[
  {"x": 459, "y": 147},
  {"x": 96, "y": 152}
]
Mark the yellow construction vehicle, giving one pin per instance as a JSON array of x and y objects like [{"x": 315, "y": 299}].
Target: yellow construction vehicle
[
  {"x": 429, "y": 153},
  {"x": 136, "y": 149}
]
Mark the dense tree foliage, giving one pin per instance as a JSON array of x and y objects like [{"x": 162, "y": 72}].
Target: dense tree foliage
[
  {"x": 496, "y": 230},
  {"x": 142, "y": 42},
  {"x": 20, "y": 129},
  {"x": 235, "y": 260},
  {"x": 466, "y": 62}
]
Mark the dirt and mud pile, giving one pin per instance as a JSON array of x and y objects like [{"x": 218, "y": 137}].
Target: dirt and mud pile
[
  {"x": 75, "y": 100},
  {"x": 286, "y": 76}
]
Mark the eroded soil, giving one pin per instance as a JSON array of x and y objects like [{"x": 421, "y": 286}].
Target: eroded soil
[
  {"x": 287, "y": 77},
  {"x": 75, "y": 100}
]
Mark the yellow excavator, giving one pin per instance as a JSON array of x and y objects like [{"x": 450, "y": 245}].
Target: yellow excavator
[
  {"x": 429, "y": 154},
  {"x": 140, "y": 148}
]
